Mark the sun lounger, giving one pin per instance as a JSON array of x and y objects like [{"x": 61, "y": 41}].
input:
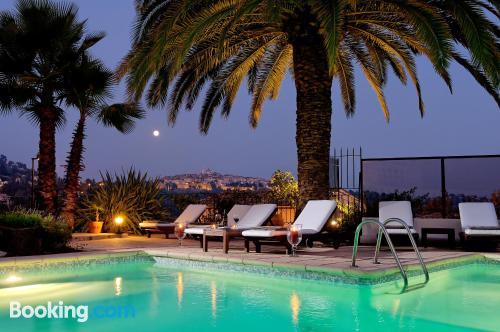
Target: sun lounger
[
  {"x": 190, "y": 215},
  {"x": 479, "y": 223},
  {"x": 256, "y": 215},
  {"x": 313, "y": 219},
  {"x": 237, "y": 211},
  {"x": 396, "y": 210}
]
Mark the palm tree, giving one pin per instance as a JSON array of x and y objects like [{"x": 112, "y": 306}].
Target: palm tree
[
  {"x": 39, "y": 40},
  {"x": 180, "y": 46},
  {"x": 88, "y": 86}
]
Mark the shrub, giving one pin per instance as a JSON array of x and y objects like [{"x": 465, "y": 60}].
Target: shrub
[
  {"x": 132, "y": 195},
  {"x": 21, "y": 219},
  {"x": 284, "y": 188},
  {"x": 57, "y": 233},
  {"x": 27, "y": 232}
]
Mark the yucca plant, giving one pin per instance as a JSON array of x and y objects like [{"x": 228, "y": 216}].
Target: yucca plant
[{"x": 132, "y": 195}]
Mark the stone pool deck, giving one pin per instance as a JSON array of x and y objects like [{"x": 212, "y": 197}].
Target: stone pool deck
[{"x": 319, "y": 260}]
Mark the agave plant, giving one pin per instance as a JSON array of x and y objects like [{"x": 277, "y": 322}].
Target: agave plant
[{"x": 132, "y": 195}]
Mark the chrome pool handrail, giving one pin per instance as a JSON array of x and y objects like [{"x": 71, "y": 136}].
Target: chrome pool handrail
[
  {"x": 412, "y": 240},
  {"x": 381, "y": 227}
]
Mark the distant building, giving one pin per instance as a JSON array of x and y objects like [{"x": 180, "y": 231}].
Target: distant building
[{"x": 209, "y": 180}]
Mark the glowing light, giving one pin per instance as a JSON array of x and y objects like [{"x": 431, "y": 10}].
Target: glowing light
[
  {"x": 156, "y": 133},
  {"x": 118, "y": 286},
  {"x": 295, "y": 306},
  {"x": 214, "y": 298},
  {"x": 180, "y": 288},
  {"x": 119, "y": 220},
  {"x": 334, "y": 223},
  {"x": 13, "y": 278}
]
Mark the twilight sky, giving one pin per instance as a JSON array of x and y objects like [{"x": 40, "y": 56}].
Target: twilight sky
[{"x": 466, "y": 122}]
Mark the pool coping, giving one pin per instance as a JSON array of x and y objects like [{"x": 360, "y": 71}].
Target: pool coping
[
  {"x": 235, "y": 264},
  {"x": 330, "y": 274}
]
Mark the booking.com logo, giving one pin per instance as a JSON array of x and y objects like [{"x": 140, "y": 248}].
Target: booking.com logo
[{"x": 81, "y": 313}]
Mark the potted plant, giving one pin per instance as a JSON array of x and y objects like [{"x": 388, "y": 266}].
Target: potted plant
[{"x": 95, "y": 227}]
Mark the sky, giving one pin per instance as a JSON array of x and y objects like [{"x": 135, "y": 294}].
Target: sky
[{"x": 465, "y": 123}]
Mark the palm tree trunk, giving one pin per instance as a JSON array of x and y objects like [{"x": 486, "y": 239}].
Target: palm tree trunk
[
  {"x": 74, "y": 167},
  {"x": 47, "y": 187},
  {"x": 313, "y": 85}
]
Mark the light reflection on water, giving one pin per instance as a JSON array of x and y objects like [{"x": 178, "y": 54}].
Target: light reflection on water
[
  {"x": 180, "y": 288},
  {"x": 118, "y": 286},
  {"x": 191, "y": 300},
  {"x": 295, "y": 306}
]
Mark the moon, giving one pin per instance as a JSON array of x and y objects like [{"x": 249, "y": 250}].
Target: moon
[{"x": 156, "y": 133}]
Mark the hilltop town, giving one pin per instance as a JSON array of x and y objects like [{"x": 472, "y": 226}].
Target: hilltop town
[{"x": 209, "y": 180}]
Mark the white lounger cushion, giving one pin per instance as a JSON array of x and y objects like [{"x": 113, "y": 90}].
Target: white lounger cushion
[
  {"x": 312, "y": 218},
  {"x": 395, "y": 209},
  {"x": 237, "y": 211},
  {"x": 196, "y": 230},
  {"x": 315, "y": 215},
  {"x": 482, "y": 232},
  {"x": 400, "y": 231},
  {"x": 271, "y": 233},
  {"x": 149, "y": 224},
  {"x": 477, "y": 215},
  {"x": 257, "y": 215},
  {"x": 191, "y": 213}
]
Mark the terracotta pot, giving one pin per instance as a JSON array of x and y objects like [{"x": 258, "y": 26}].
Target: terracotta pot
[
  {"x": 95, "y": 227},
  {"x": 285, "y": 215}
]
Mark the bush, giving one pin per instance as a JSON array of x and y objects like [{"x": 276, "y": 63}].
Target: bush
[
  {"x": 284, "y": 189},
  {"x": 56, "y": 233},
  {"x": 21, "y": 219},
  {"x": 25, "y": 232},
  {"x": 132, "y": 195}
]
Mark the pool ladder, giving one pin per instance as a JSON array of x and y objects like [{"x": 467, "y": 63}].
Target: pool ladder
[{"x": 382, "y": 229}]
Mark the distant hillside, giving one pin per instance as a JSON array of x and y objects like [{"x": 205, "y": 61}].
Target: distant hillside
[
  {"x": 209, "y": 180},
  {"x": 15, "y": 180}
]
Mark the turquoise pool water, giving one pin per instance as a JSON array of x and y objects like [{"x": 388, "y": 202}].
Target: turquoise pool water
[{"x": 173, "y": 299}]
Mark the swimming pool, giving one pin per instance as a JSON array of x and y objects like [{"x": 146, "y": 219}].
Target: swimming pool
[{"x": 169, "y": 298}]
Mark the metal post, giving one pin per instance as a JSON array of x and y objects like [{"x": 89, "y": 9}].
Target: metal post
[
  {"x": 362, "y": 203},
  {"x": 443, "y": 189},
  {"x": 347, "y": 169},
  {"x": 33, "y": 180}
]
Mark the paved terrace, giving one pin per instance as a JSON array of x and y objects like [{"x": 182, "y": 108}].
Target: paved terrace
[{"x": 318, "y": 259}]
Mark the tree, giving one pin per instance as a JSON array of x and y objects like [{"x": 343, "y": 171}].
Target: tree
[
  {"x": 179, "y": 46},
  {"x": 89, "y": 84},
  {"x": 284, "y": 188},
  {"x": 39, "y": 41}
]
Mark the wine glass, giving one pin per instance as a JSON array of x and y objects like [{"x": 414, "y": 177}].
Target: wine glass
[
  {"x": 294, "y": 236},
  {"x": 179, "y": 231},
  {"x": 235, "y": 224}
]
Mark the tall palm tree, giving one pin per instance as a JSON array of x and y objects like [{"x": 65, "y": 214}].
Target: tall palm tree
[
  {"x": 39, "y": 41},
  {"x": 89, "y": 85},
  {"x": 179, "y": 46}
]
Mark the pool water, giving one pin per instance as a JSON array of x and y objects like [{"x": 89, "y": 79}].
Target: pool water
[{"x": 173, "y": 299}]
